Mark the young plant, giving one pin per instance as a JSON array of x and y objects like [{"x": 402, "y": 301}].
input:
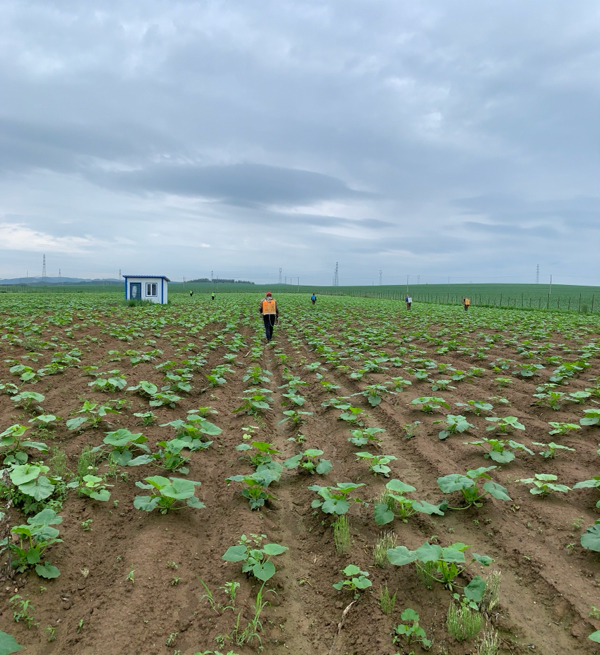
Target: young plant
[
  {"x": 257, "y": 483},
  {"x": 544, "y": 484},
  {"x": 263, "y": 456},
  {"x": 148, "y": 418},
  {"x": 256, "y": 558},
  {"x": 392, "y": 503},
  {"x": 14, "y": 444},
  {"x": 378, "y": 464},
  {"x": 91, "y": 486},
  {"x": 356, "y": 580},
  {"x": 255, "y": 401},
  {"x": 454, "y": 425},
  {"x": 467, "y": 485},
  {"x": 429, "y": 404},
  {"x": 373, "y": 393},
  {"x": 592, "y": 417},
  {"x": 335, "y": 499},
  {"x": 408, "y": 632},
  {"x": 504, "y": 424},
  {"x": 29, "y": 400},
  {"x": 116, "y": 382},
  {"x": 30, "y": 542},
  {"x": 477, "y": 407},
  {"x": 122, "y": 441},
  {"x": 295, "y": 416},
  {"x": 552, "y": 453},
  {"x": 167, "y": 494},
  {"x": 353, "y": 415},
  {"x": 400, "y": 383},
  {"x": 411, "y": 429},
  {"x": 363, "y": 436},
  {"x": 498, "y": 450},
  {"x": 437, "y": 564},
  {"x": 308, "y": 462},
  {"x": 562, "y": 428},
  {"x": 93, "y": 415}
]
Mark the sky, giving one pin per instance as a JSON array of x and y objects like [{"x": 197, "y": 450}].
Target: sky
[{"x": 187, "y": 138}]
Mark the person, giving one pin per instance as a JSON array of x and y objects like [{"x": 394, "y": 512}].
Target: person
[
  {"x": 212, "y": 295},
  {"x": 313, "y": 299},
  {"x": 191, "y": 293},
  {"x": 270, "y": 313},
  {"x": 466, "y": 303},
  {"x": 408, "y": 302}
]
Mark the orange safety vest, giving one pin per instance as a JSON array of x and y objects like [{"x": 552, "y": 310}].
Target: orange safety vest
[
  {"x": 269, "y": 307},
  {"x": 467, "y": 302}
]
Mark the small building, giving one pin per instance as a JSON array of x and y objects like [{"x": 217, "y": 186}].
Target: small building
[{"x": 147, "y": 287}]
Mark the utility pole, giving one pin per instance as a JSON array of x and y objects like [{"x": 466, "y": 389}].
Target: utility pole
[
  {"x": 537, "y": 274},
  {"x": 280, "y": 275},
  {"x": 380, "y": 275}
]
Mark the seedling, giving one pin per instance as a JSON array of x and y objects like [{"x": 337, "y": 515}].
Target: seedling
[
  {"x": 387, "y": 602},
  {"x": 592, "y": 417},
  {"x": 392, "y": 503},
  {"x": 166, "y": 494},
  {"x": 437, "y": 564},
  {"x": 295, "y": 416},
  {"x": 12, "y": 440},
  {"x": 504, "y": 424},
  {"x": 552, "y": 451},
  {"x": 477, "y": 407},
  {"x": 30, "y": 542},
  {"x": 411, "y": 631},
  {"x": 93, "y": 415},
  {"x": 147, "y": 418},
  {"x": 255, "y": 401},
  {"x": 562, "y": 428},
  {"x": 91, "y": 486},
  {"x": 410, "y": 429},
  {"x": 122, "y": 441},
  {"x": 373, "y": 393},
  {"x": 86, "y": 525},
  {"x": 429, "y": 404},
  {"x": 335, "y": 499},
  {"x": 498, "y": 450},
  {"x": 29, "y": 401},
  {"x": 543, "y": 484},
  {"x": 454, "y": 425},
  {"x": 255, "y": 557},
  {"x": 363, "y": 436},
  {"x": 263, "y": 456},
  {"x": 356, "y": 580},
  {"x": 308, "y": 462},
  {"x": 21, "y": 611},
  {"x": 353, "y": 416},
  {"x": 257, "y": 483},
  {"x": 231, "y": 588},
  {"x": 378, "y": 464},
  {"x": 115, "y": 383},
  {"x": 400, "y": 383},
  {"x": 467, "y": 485}
]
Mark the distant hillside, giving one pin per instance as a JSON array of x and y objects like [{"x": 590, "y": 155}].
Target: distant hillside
[{"x": 59, "y": 280}]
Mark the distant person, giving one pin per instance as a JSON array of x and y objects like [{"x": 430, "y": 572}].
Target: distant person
[
  {"x": 270, "y": 313},
  {"x": 408, "y": 300},
  {"x": 466, "y": 304},
  {"x": 313, "y": 299},
  {"x": 191, "y": 293},
  {"x": 213, "y": 295}
]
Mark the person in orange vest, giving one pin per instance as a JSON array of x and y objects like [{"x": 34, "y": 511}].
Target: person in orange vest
[
  {"x": 270, "y": 313},
  {"x": 466, "y": 303}
]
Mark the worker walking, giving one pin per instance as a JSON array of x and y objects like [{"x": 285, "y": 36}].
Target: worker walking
[
  {"x": 408, "y": 300},
  {"x": 270, "y": 313},
  {"x": 466, "y": 304},
  {"x": 212, "y": 295},
  {"x": 313, "y": 299},
  {"x": 191, "y": 293}
]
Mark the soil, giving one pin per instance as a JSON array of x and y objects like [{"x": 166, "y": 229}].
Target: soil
[{"x": 549, "y": 586}]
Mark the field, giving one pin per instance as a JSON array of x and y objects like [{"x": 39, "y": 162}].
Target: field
[{"x": 113, "y": 395}]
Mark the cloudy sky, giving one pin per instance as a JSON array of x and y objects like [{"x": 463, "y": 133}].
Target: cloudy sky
[{"x": 429, "y": 138}]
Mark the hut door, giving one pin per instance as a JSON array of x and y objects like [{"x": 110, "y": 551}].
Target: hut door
[{"x": 135, "y": 290}]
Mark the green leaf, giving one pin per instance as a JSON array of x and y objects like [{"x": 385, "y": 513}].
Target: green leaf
[
  {"x": 427, "y": 508},
  {"x": 194, "y": 502},
  {"x": 8, "y": 644},
  {"x": 146, "y": 503},
  {"x": 496, "y": 490},
  {"x": 337, "y": 506},
  {"x": 454, "y": 482},
  {"x": 323, "y": 467},
  {"x": 399, "y": 487},
  {"x": 484, "y": 560},
  {"x": 47, "y": 571},
  {"x": 383, "y": 514},
  {"x": 400, "y": 555},
  {"x": 264, "y": 571},
  {"x": 274, "y": 549},
  {"x": 595, "y": 636},
  {"x": 474, "y": 590},
  {"x": 352, "y": 569},
  {"x": 236, "y": 554},
  {"x": 102, "y": 495},
  {"x": 591, "y": 538},
  {"x": 39, "y": 489},
  {"x": 25, "y": 473},
  {"x": 292, "y": 462},
  {"x": 409, "y": 615},
  {"x": 452, "y": 554},
  {"x": 77, "y": 422}
]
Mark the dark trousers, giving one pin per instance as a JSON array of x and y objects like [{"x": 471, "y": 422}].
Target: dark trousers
[{"x": 269, "y": 321}]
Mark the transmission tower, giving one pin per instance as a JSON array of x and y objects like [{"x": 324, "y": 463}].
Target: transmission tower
[
  {"x": 44, "y": 269},
  {"x": 280, "y": 275},
  {"x": 336, "y": 279},
  {"x": 537, "y": 274}
]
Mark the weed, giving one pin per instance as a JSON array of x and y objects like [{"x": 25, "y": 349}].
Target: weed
[
  {"x": 488, "y": 643},
  {"x": 58, "y": 463},
  {"x": 386, "y": 602},
  {"x": 171, "y": 639},
  {"x": 231, "y": 588},
  {"x": 86, "y": 464},
  {"x": 21, "y": 610},
  {"x": 87, "y": 525},
  {"x": 594, "y": 612},
  {"x": 50, "y": 633},
  {"x": 492, "y": 590},
  {"x": 341, "y": 535},
  {"x": 130, "y": 576},
  {"x": 175, "y": 581},
  {"x": 386, "y": 541},
  {"x": 463, "y": 622}
]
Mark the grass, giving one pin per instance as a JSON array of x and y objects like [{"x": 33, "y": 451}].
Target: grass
[
  {"x": 488, "y": 643},
  {"x": 463, "y": 623},
  {"x": 386, "y": 541},
  {"x": 492, "y": 589},
  {"x": 86, "y": 464},
  {"x": 341, "y": 535},
  {"x": 386, "y": 602}
]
